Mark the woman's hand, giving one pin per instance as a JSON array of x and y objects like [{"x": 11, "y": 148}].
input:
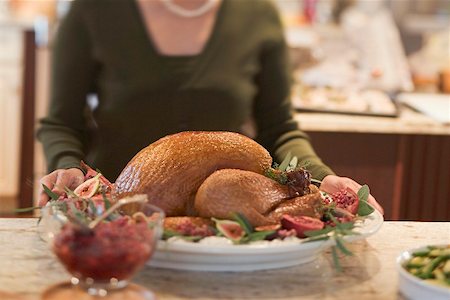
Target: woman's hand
[
  {"x": 333, "y": 183},
  {"x": 57, "y": 180}
]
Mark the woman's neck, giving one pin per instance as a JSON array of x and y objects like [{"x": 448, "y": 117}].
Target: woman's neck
[{"x": 175, "y": 35}]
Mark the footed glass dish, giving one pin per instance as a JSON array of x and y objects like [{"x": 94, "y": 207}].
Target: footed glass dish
[{"x": 102, "y": 248}]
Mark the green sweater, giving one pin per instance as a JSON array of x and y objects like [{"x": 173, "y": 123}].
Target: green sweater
[{"x": 102, "y": 47}]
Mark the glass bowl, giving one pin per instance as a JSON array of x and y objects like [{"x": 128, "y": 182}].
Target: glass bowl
[{"x": 102, "y": 248}]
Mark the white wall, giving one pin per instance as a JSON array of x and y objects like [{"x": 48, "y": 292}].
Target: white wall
[{"x": 11, "y": 68}]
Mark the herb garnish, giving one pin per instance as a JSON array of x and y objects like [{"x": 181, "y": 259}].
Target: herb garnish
[
  {"x": 49, "y": 193},
  {"x": 364, "y": 209},
  {"x": 250, "y": 234},
  {"x": 338, "y": 230}
]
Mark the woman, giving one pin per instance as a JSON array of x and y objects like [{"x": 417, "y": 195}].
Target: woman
[{"x": 164, "y": 66}]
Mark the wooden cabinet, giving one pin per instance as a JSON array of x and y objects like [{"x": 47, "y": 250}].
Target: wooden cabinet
[{"x": 409, "y": 174}]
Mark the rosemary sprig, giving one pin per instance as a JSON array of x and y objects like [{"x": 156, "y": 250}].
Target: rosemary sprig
[
  {"x": 337, "y": 263},
  {"x": 335, "y": 233},
  {"x": 106, "y": 200},
  {"x": 91, "y": 206},
  {"x": 53, "y": 197},
  {"x": 275, "y": 174},
  {"x": 26, "y": 209},
  {"x": 340, "y": 229},
  {"x": 69, "y": 192}
]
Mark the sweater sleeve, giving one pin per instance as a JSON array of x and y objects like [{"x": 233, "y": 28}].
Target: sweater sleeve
[
  {"x": 63, "y": 130},
  {"x": 277, "y": 130}
]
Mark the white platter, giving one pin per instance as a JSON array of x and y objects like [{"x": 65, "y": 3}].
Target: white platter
[
  {"x": 415, "y": 288},
  {"x": 209, "y": 256}
]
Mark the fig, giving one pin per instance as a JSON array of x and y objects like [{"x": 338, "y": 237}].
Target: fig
[
  {"x": 88, "y": 188},
  {"x": 230, "y": 229},
  {"x": 301, "y": 224},
  {"x": 346, "y": 199}
]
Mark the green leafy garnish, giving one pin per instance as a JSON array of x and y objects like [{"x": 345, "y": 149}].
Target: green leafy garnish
[
  {"x": 92, "y": 206},
  {"x": 26, "y": 209},
  {"x": 336, "y": 233},
  {"x": 49, "y": 193},
  {"x": 69, "y": 192},
  {"x": 292, "y": 164},
  {"x": 276, "y": 175},
  {"x": 340, "y": 244},
  {"x": 363, "y": 193},
  {"x": 337, "y": 263},
  {"x": 78, "y": 215},
  {"x": 243, "y": 222},
  {"x": 285, "y": 163},
  {"x": 320, "y": 232},
  {"x": 106, "y": 200},
  {"x": 170, "y": 233},
  {"x": 256, "y": 236},
  {"x": 364, "y": 209}
]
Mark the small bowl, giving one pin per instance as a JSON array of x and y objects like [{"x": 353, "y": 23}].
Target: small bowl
[
  {"x": 415, "y": 288},
  {"x": 107, "y": 256}
]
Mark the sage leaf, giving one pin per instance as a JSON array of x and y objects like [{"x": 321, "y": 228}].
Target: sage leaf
[
  {"x": 364, "y": 209},
  {"x": 363, "y": 193},
  {"x": 243, "y": 222},
  {"x": 313, "y": 233},
  {"x": 49, "y": 193},
  {"x": 260, "y": 235},
  {"x": 345, "y": 226},
  {"x": 169, "y": 233},
  {"x": 285, "y": 163},
  {"x": 292, "y": 164}
]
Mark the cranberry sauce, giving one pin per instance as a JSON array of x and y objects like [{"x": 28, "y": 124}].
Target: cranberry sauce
[{"x": 112, "y": 250}]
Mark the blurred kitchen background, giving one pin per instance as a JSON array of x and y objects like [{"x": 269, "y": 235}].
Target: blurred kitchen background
[{"x": 371, "y": 88}]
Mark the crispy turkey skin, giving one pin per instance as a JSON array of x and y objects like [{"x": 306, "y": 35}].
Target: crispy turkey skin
[{"x": 171, "y": 170}]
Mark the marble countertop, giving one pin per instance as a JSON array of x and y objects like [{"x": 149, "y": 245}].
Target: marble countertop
[
  {"x": 408, "y": 122},
  {"x": 27, "y": 269}
]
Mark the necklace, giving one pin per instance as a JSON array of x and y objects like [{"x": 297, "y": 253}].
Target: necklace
[{"x": 189, "y": 13}]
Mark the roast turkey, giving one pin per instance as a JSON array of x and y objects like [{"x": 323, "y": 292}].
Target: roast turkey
[
  {"x": 213, "y": 174},
  {"x": 260, "y": 199},
  {"x": 171, "y": 170}
]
